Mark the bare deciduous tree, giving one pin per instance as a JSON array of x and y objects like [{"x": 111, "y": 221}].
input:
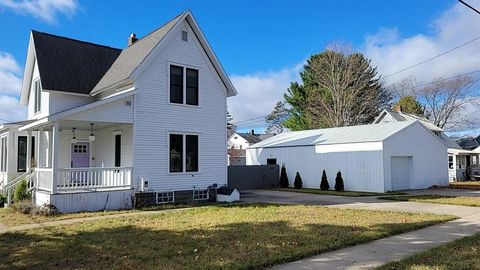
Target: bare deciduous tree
[{"x": 447, "y": 101}]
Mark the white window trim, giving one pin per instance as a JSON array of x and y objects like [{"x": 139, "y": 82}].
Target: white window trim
[
  {"x": 197, "y": 192},
  {"x": 184, "y": 153},
  {"x": 184, "y": 103},
  {"x": 164, "y": 192}
]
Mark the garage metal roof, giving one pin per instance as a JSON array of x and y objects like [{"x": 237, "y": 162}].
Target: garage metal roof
[{"x": 339, "y": 135}]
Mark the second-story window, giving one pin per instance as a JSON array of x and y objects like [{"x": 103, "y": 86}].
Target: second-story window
[
  {"x": 183, "y": 85},
  {"x": 38, "y": 96}
]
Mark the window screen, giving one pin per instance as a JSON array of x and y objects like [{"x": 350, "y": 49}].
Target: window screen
[
  {"x": 176, "y": 153},
  {"x": 176, "y": 84},
  {"x": 192, "y": 153}
]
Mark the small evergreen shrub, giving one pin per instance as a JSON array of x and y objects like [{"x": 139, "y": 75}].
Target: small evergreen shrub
[
  {"x": 21, "y": 192},
  {"x": 283, "y": 177},
  {"x": 324, "y": 183},
  {"x": 298, "y": 181},
  {"x": 339, "y": 182}
]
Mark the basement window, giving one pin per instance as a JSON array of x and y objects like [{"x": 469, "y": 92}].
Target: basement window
[
  {"x": 200, "y": 194},
  {"x": 165, "y": 197}
]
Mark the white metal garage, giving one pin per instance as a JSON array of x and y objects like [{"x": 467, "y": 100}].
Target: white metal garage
[
  {"x": 401, "y": 172},
  {"x": 378, "y": 158}
]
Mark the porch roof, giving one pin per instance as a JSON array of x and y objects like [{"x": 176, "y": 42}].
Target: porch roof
[
  {"x": 461, "y": 151},
  {"x": 47, "y": 120}
]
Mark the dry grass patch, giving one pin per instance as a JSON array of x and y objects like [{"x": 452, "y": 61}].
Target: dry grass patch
[
  {"x": 461, "y": 254},
  {"x": 337, "y": 193},
  {"x": 455, "y": 200},
  {"x": 213, "y": 237},
  {"x": 10, "y": 217}
]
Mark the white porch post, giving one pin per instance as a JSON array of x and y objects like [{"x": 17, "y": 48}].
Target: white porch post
[
  {"x": 54, "y": 154},
  {"x": 50, "y": 145},
  {"x": 29, "y": 150},
  {"x": 39, "y": 148}
]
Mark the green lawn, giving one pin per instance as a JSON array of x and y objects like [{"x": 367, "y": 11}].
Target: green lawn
[
  {"x": 461, "y": 254},
  {"x": 455, "y": 200},
  {"x": 9, "y": 217},
  {"x": 213, "y": 237},
  {"x": 337, "y": 193}
]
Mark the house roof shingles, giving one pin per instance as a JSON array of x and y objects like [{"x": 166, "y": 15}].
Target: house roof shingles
[
  {"x": 132, "y": 56},
  {"x": 251, "y": 138},
  {"x": 69, "y": 65}
]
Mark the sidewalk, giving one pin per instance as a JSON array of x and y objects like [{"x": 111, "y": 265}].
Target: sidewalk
[{"x": 379, "y": 252}]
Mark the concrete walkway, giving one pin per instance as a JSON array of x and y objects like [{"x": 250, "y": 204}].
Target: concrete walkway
[{"x": 379, "y": 252}]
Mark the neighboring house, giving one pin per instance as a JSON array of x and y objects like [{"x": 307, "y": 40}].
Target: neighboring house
[
  {"x": 469, "y": 143},
  {"x": 238, "y": 142},
  {"x": 472, "y": 160},
  {"x": 460, "y": 160},
  {"x": 236, "y": 157},
  {"x": 105, "y": 124},
  {"x": 377, "y": 158}
]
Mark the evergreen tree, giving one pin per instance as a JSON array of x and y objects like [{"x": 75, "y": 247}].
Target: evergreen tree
[
  {"x": 276, "y": 118},
  {"x": 298, "y": 181},
  {"x": 283, "y": 177},
  {"x": 337, "y": 89},
  {"x": 410, "y": 104},
  {"x": 324, "y": 183},
  {"x": 339, "y": 182}
]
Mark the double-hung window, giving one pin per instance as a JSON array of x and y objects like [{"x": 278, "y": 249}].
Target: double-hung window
[
  {"x": 38, "y": 96},
  {"x": 184, "y": 85},
  {"x": 183, "y": 153}
]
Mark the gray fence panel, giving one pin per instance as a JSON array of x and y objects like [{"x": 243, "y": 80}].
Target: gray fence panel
[{"x": 252, "y": 177}]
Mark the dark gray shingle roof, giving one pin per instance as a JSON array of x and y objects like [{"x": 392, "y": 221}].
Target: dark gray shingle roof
[
  {"x": 70, "y": 65},
  {"x": 133, "y": 56},
  {"x": 469, "y": 143},
  {"x": 250, "y": 138}
]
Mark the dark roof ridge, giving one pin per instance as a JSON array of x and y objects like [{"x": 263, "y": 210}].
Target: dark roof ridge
[{"x": 76, "y": 40}]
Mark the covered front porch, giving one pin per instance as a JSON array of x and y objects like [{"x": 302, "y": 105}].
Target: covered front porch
[
  {"x": 463, "y": 165},
  {"x": 76, "y": 156}
]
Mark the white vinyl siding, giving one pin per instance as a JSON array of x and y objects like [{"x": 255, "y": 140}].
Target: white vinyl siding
[
  {"x": 3, "y": 153},
  {"x": 156, "y": 118}
]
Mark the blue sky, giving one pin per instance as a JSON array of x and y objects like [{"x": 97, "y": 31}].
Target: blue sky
[{"x": 261, "y": 44}]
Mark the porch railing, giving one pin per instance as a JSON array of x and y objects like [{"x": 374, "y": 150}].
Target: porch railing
[
  {"x": 93, "y": 178},
  {"x": 43, "y": 179}
]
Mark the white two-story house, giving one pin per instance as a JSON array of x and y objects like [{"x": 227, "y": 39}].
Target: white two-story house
[{"x": 106, "y": 125}]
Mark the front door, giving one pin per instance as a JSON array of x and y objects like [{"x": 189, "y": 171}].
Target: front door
[{"x": 80, "y": 155}]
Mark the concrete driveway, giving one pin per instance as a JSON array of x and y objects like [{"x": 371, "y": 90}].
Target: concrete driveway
[
  {"x": 379, "y": 252},
  {"x": 369, "y": 202}
]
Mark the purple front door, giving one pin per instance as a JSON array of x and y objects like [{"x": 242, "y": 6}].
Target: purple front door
[{"x": 80, "y": 155}]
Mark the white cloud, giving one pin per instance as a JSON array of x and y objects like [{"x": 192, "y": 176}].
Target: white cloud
[
  {"x": 390, "y": 52},
  {"x": 10, "y": 84},
  {"x": 10, "y": 81},
  {"x": 45, "y": 10},
  {"x": 258, "y": 93},
  {"x": 10, "y": 110}
]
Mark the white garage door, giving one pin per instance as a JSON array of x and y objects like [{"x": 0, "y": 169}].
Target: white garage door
[{"x": 401, "y": 173}]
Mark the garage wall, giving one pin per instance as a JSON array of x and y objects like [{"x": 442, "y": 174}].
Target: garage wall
[
  {"x": 429, "y": 157},
  {"x": 361, "y": 170}
]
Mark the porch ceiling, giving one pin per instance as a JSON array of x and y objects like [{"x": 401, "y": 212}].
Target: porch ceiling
[{"x": 85, "y": 125}]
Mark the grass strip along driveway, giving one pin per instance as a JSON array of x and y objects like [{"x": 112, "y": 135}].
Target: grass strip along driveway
[
  {"x": 460, "y": 254},
  {"x": 214, "y": 237},
  {"x": 337, "y": 193},
  {"x": 455, "y": 200}
]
